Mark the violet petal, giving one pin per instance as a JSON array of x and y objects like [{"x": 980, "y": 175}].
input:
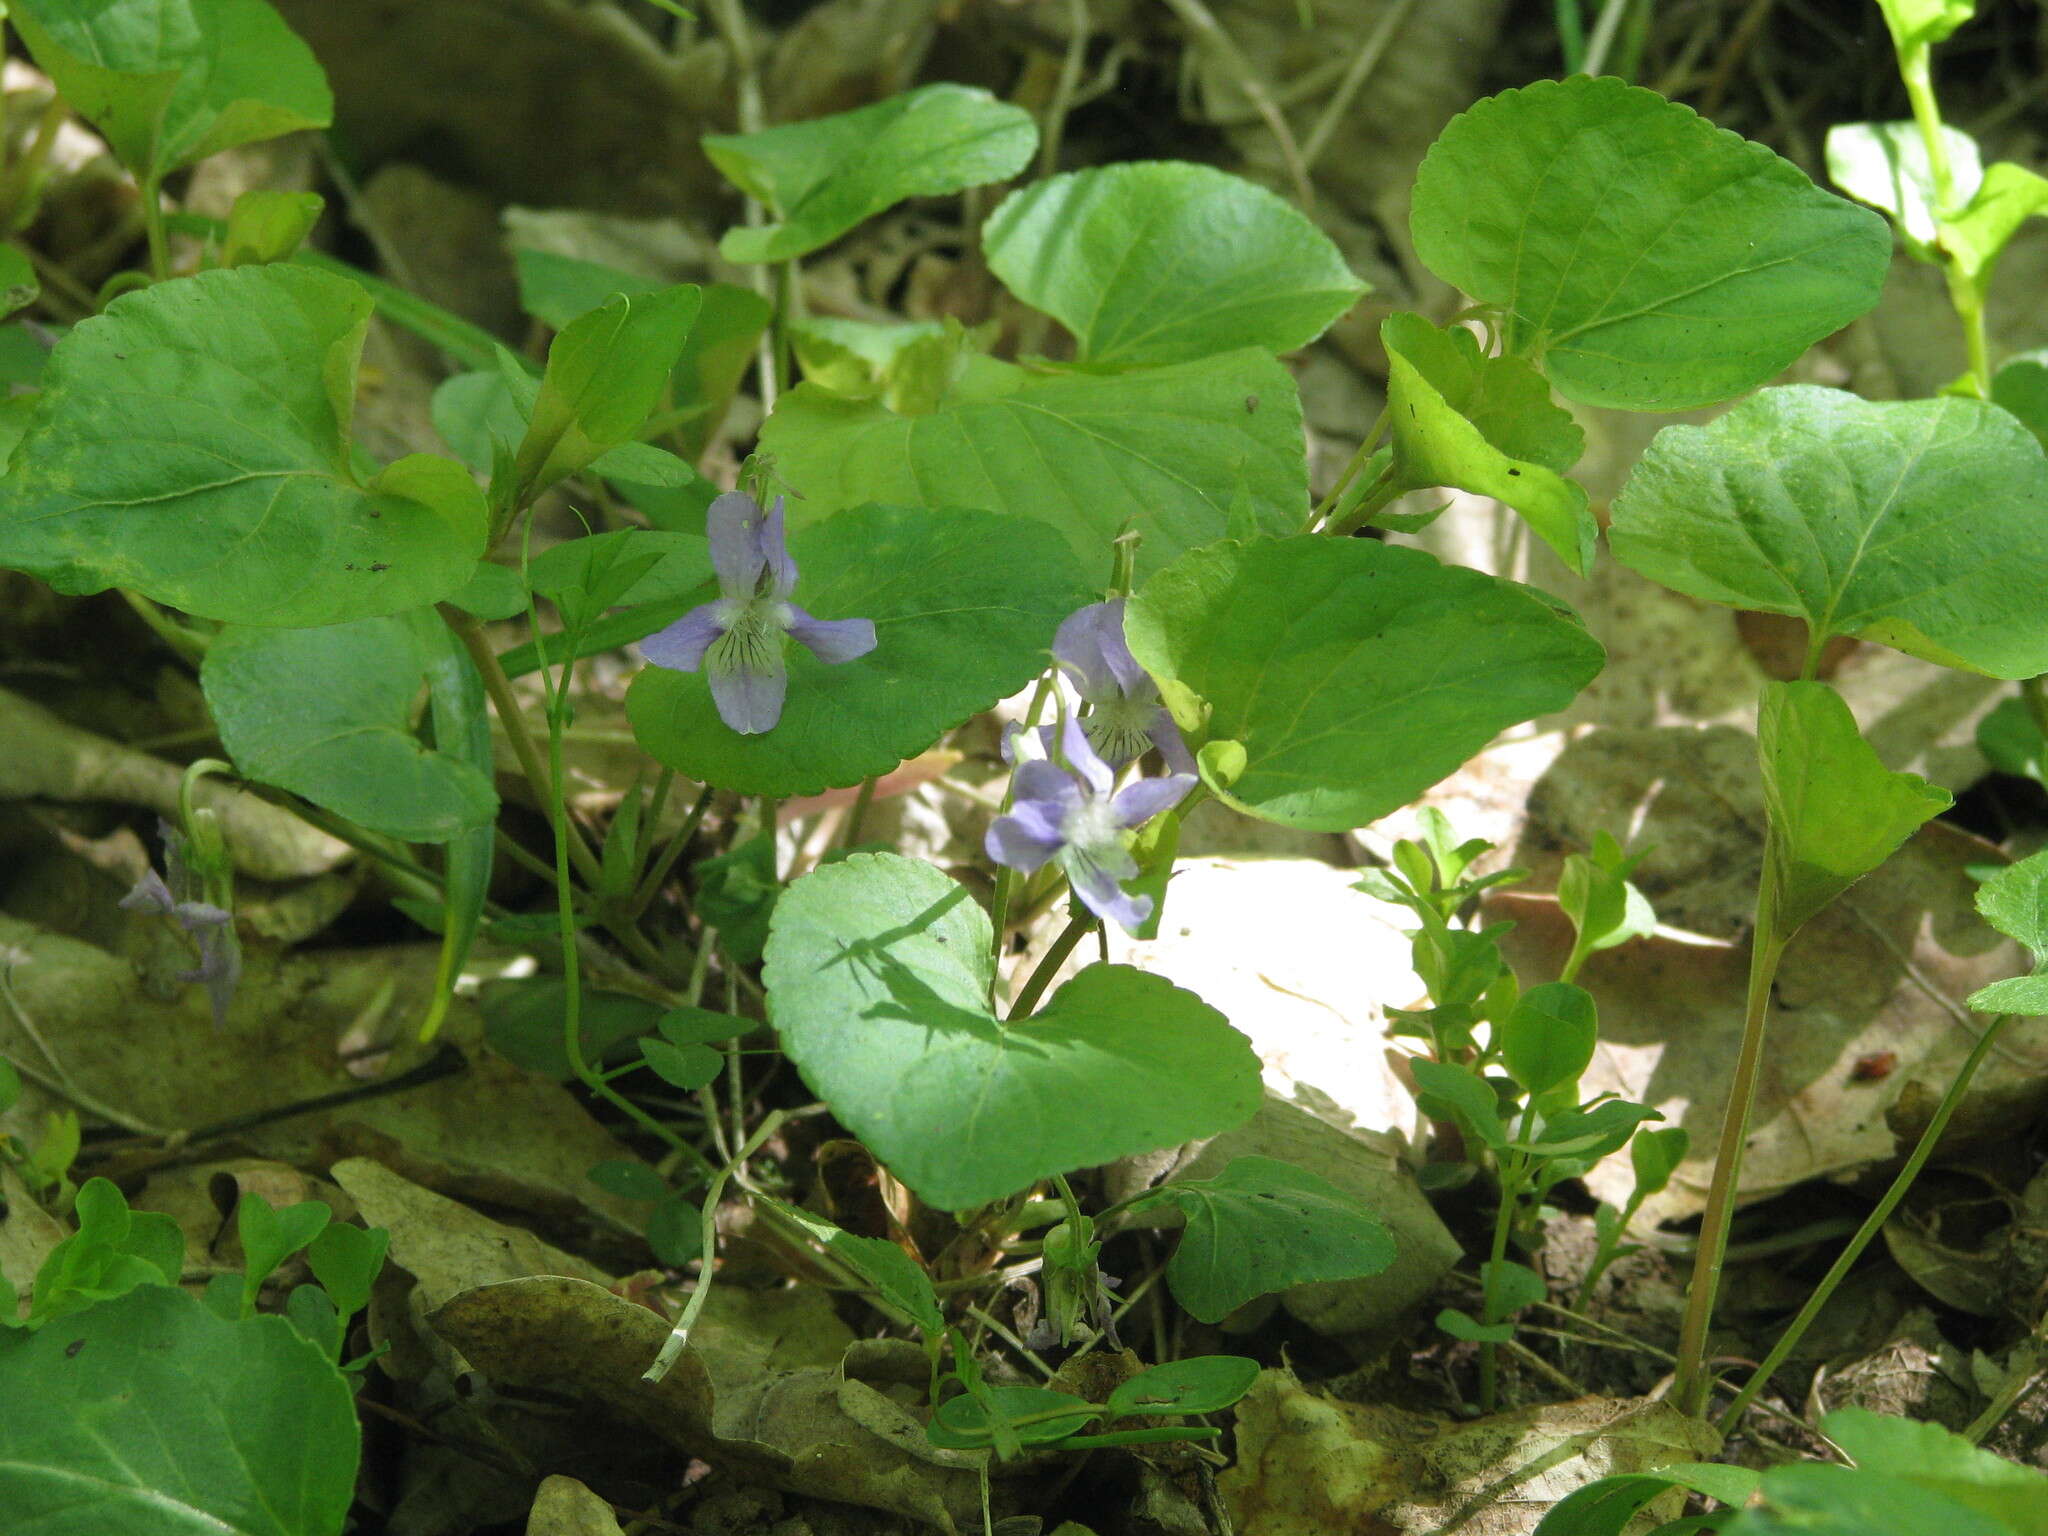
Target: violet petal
[
  {"x": 733, "y": 525},
  {"x": 749, "y": 698},
  {"x": 1016, "y": 843},
  {"x": 681, "y": 645},
  {"x": 773, "y": 550},
  {"x": 1138, "y": 803},
  {"x": 832, "y": 640}
]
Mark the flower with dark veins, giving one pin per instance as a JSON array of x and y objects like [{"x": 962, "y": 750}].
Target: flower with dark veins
[
  {"x": 1125, "y": 714},
  {"x": 737, "y": 639},
  {"x": 1074, "y": 815}
]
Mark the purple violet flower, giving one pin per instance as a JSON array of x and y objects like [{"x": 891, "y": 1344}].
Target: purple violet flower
[
  {"x": 1076, "y": 816},
  {"x": 737, "y": 638},
  {"x": 1125, "y": 715},
  {"x": 212, "y": 928}
]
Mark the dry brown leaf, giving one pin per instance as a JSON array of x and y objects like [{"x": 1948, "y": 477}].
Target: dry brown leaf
[
  {"x": 1310, "y": 1465},
  {"x": 564, "y": 1507}
]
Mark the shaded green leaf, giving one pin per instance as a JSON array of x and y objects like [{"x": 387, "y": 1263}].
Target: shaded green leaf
[
  {"x": 1642, "y": 257},
  {"x": 1836, "y": 812},
  {"x": 2021, "y": 386},
  {"x": 1920, "y": 524},
  {"x": 688, "y": 1067},
  {"x": 266, "y": 225},
  {"x": 270, "y": 1235},
  {"x": 878, "y": 972},
  {"x": 1355, "y": 674},
  {"x": 169, "y": 82},
  {"x": 897, "y": 1278},
  {"x": 1549, "y": 1037},
  {"x": 1199, "y": 1384},
  {"x": 1260, "y": 1226},
  {"x": 345, "y": 1260},
  {"x": 1655, "y": 1155},
  {"x": 19, "y": 284},
  {"x": 1448, "y": 1091},
  {"x": 1932, "y": 1457},
  {"x": 629, "y": 1180},
  {"x": 524, "y": 1021},
  {"x": 824, "y": 176},
  {"x": 1607, "y": 1507},
  {"x": 327, "y": 713},
  {"x": 149, "y": 1414},
  {"x": 963, "y": 1423},
  {"x": 2015, "y": 902},
  {"x": 964, "y": 605},
  {"x": 192, "y": 443},
  {"x": 1166, "y": 262}
]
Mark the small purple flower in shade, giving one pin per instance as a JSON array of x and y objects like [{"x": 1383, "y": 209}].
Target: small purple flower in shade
[
  {"x": 737, "y": 639},
  {"x": 1125, "y": 715},
  {"x": 210, "y": 927},
  {"x": 1075, "y": 816}
]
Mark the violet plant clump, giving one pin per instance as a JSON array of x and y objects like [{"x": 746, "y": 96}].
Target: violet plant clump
[{"x": 738, "y": 638}]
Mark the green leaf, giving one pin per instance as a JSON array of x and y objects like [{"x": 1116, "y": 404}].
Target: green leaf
[
  {"x": 270, "y": 1236},
  {"x": 1885, "y": 165},
  {"x": 2027, "y": 995},
  {"x": 1606, "y": 1507},
  {"x": 1549, "y": 1038},
  {"x": 148, "y": 1415},
  {"x": 1200, "y": 1384},
  {"x": 605, "y": 376},
  {"x": 266, "y": 225},
  {"x": 962, "y": 1423},
  {"x": 1588, "y": 1132},
  {"x": 113, "y": 1251},
  {"x": 1166, "y": 262},
  {"x": 192, "y": 443},
  {"x": 964, "y": 606},
  {"x": 1354, "y": 673},
  {"x": 629, "y": 1180},
  {"x": 1928, "y": 1456},
  {"x": 524, "y": 1022},
  {"x": 1642, "y": 257},
  {"x": 878, "y": 972},
  {"x": 1812, "y": 1499},
  {"x": 1165, "y": 452},
  {"x": 1509, "y": 1287},
  {"x": 1918, "y": 24},
  {"x": 824, "y": 176},
  {"x": 1462, "y": 1325},
  {"x": 556, "y": 289},
  {"x": 1655, "y": 1156},
  {"x": 2021, "y": 386},
  {"x": 1259, "y": 1226},
  {"x": 10, "y": 1085},
  {"x": 736, "y": 892},
  {"x": 169, "y": 82},
  {"x": 898, "y": 1279},
  {"x": 345, "y": 1260},
  {"x": 2010, "y": 195},
  {"x": 461, "y": 718},
  {"x": 1448, "y": 1091},
  {"x": 688, "y": 1067},
  {"x": 675, "y": 1231},
  {"x": 703, "y": 1026},
  {"x": 327, "y": 713},
  {"x": 1485, "y": 425},
  {"x": 1836, "y": 812},
  {"x": 19, "y": 284},
  {"x": 2015, "y": 902},
  {"x": 1920, "y": 524}
]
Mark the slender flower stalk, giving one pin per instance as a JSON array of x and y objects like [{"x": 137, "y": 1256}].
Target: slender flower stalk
[{"x": 737, "y": 639}]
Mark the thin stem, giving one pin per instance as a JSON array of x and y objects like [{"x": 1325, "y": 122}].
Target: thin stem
[
  {"x": 1693, "y": 1381},
  {"x": 679, "y": 1337},
  {"x": 506, "y": 702},
  {"x": 1055, "y": 957},
  {"x": 1603, "y": 35},
  {"x": 658, "y": 873},
  {"x": 153, "y": 227},
  {"x": 188, "y": 643},
  {"x": 850, "y": 833},
  {"x": 1358, "y": 462},
  {"x": 1199, "y": 20},
  {"x": 1363, "y": 63},
  {"x": 1872, "y": 1225},
  {"x": 1075, "y": 60},
  {"x": 1964, "y": 294}
]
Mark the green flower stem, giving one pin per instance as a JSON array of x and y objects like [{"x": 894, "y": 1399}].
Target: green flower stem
[
  {"x": 1872, "y": 1225},
  {"x": 1693, "y": 1382},
  {"x": 153, "y": 225},
  {"x": 1514, "y": 1170},
  {"x": 499, "y": 687},
  {"x": 679, "y": 1337},
  {"x": 188, "y": 643},
  {"x": 1963, "y": 292},
  {"x": 1055, "y": 957},
  {"x": 850, "y": 833},
  {"x": 658, "y": 872},
  {"x": 1359, "y": 460}
]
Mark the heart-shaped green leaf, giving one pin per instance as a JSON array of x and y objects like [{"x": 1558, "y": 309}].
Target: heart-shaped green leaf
[
  {"x": 1643, "y": 257},
  {"x": 2015, "y": 902},
  {"x": 327, "y": 713},
  {"x": 1836, "y": 812},
  {"x": 1199, "y": 1384},
  {"x": 149, "y": 1414},
  {"x": 192, "y": 444},
  {"x": 1548, "y": 1039},
  {"x": 1485, "y": 425},
  {"x": 878, "y": 971},
  {"x": 825, "y": 176},
  {"x": 1182, "y": 455},
  {"x": 173, "y": 81},
  {"x": 1355, "y": 674},
  {"x": 1166, "y": 262},
  {"x": 964, "y": 606},
  {"x": 1920, "y": 524},
  {"x": 1262, "y": 1225},
  {"x": 2021, "y": 387},
  {"x": 1920, "y": 24}
]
